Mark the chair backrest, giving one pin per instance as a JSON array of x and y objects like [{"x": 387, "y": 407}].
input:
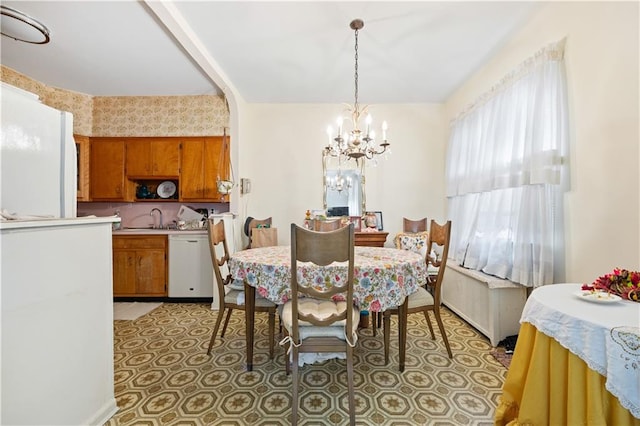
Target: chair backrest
[
  {"x": 322, "y": 249},
  {"x": 439, "y": 235},
  {"x": 254, "y": 224},
  {"x": 219, "y": 256},
  {"x": 414, "y": 226},
  {"x": 327, "y": 225}
]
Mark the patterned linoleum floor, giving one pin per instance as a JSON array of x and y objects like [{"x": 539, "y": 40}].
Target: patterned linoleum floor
[{"x": 163, "y": 376}]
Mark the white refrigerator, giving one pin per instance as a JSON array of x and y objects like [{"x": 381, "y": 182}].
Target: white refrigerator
[
  {"x": 38, "y": 158},
  {"x": 56, "y": 309}
]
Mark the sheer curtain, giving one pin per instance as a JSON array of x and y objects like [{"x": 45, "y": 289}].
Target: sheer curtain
[{"x": 505, "y": 170}]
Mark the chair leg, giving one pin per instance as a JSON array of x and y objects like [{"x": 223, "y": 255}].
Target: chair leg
[
  {"x": 426, "y": 316},
  {"x": 352, "y": 402},
  {"x": 272, "y": 327},
  {"x": 215, "y": 330},
  {"x": 387, "y": 335},
  {"x": 287, "y": 359},
  {"x": 374, "y": 323},
  {"x": 295, "y": 394},
  {"x": 436, "y": 312},
  {"x": 226, "y": 322}
]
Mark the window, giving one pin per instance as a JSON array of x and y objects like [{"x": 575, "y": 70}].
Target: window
[{"x": 505, "y": 173}]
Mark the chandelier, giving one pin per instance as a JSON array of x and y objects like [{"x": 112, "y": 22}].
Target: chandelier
[{"x": 357, "y": 142}]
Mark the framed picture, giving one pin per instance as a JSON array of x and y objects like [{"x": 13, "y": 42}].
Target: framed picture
[
  {"x": 357, "y": 223},
  {"x": 379, "y": 220}
]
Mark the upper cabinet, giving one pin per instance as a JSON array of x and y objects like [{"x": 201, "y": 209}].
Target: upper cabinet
[
  {"x": 204, "y": 160},
  {"x": 107, "y": 170},
  {"x": 152, "y": 157},
  {"x": 120, "y": 167}
]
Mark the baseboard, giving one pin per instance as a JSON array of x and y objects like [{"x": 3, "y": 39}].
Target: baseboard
[{"x": 103, "y": 414}]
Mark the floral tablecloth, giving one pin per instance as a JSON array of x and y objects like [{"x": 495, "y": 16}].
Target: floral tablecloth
[{"x": 383, "y": 276}]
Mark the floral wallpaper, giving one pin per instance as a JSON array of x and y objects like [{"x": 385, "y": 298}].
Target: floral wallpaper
[
  {"x": 204, "y": 115},
  {"x": 79, "y": 104}
]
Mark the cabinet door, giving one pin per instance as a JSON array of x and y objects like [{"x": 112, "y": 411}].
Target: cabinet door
[
  {"x": 124, "y": 272},
  {"x": 192, "y": 170},
  {"x": 138, "y": 158},
  {"x": 151, "y": 272},
  {"x": 214, "y": 168},
  {"x": 83, "y": 155},
  {"x": 107, "y": 169},
  {"x": 153, "y": 157},
  {"x": 165, "y": 157}
]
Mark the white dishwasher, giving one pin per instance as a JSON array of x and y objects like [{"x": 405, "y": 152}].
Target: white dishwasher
[{"x": 190, "y": 268}]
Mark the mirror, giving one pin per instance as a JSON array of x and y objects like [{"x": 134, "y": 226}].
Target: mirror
[{"x": 343, "y": 186}]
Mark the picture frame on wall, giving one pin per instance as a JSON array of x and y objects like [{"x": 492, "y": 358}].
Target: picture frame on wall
[{"x": 357, "y": 223}]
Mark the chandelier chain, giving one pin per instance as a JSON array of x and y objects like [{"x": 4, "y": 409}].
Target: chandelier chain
[{"x": 356, "y": 73}]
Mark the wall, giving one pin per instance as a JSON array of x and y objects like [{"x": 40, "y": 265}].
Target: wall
[
  {"x": 281, "y": 152},
  {"x": 601, "y": 219},
  {"x": 138, "y": 215},
  {"x": 79, "y": 104},
  {"x": 203, "y": 115},
  {"x": 57, "y": 323}
]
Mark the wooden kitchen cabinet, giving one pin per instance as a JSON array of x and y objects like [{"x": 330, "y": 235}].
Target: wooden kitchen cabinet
[
  {"x": 82, "y": 166},
  {"x": 201, "y": 166},
  {"x": 140, "y": 266},
  {"x": 107, "y": 170},
  {"x": 152, "y": 157}
]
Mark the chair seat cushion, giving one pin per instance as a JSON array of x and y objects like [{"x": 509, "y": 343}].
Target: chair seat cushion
[
  {"x": 415, "y": 242},
  {"x": 420, "y": 298},
  {"x": 236, "y": 285},
  {"x": 321, "y": 309},
  {"x": 237, "y": 297}
]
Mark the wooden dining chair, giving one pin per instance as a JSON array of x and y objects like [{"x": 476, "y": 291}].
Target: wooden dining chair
[
  {"x": 327, "y": 225},
  {"x": 424, "y": 300},
  {"x": 313, "y": 321},
  {"x": 229, "y": 296},
  {"x": 403, "y": 241},
  {"x": 414, "y": 226}
]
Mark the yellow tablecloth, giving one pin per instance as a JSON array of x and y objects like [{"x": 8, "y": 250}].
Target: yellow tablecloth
[{"x": 573, "y": 395}]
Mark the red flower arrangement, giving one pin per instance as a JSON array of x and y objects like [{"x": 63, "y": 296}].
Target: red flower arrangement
[{"x": 622, "y": 282}]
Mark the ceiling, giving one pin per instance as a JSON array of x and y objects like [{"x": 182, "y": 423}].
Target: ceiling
[{"x": 274, "y": 52}]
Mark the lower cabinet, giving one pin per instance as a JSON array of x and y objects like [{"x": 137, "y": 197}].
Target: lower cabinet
[{"x": 140, "y": 266}]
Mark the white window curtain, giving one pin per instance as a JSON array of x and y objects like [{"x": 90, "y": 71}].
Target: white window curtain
[{"x": 505, "y": 171}]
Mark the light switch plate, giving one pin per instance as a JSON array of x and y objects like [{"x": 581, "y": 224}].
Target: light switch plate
[{"x": 245, "y": 186}]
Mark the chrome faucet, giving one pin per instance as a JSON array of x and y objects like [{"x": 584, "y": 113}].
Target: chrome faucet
[{"x": 159, "y": 211}]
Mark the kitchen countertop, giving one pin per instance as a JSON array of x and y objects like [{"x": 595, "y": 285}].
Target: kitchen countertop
[{"x": 150, "y": 231}]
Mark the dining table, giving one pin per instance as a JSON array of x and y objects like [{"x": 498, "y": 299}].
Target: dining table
[
  {"x": 383, "y": 278},
  {"x": 576, "y": 360}
]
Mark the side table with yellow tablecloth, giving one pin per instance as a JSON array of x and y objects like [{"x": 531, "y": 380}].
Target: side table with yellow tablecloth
[{"x": 575, "y": 362}]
